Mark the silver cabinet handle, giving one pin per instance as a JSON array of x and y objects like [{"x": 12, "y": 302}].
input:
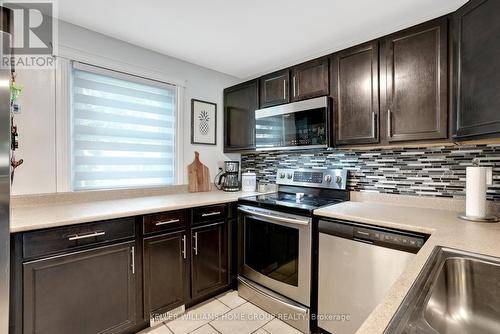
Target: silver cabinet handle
[
  {"x": 159, "y": 223},
  {"x": 374, "y": 124},
  {"x": 284, "y": 89},
  {"x": 195, "y": 236},
  {"x": 85, "y": 236},
  {"x": 294, "y": 94},
  {"x": 133, "y": 259},
  {"x": 389, "y": 123},
  {"x": 184, "y": 246},
  {"x": 214, "y": 213}
]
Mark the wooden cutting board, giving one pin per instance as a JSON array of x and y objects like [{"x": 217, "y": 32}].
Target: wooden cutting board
[{"x": 198, "y": 175}]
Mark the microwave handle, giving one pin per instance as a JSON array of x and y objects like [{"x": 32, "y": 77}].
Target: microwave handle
[{"x": 330, "y": 124}]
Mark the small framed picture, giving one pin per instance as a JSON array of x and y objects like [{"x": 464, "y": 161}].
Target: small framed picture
[{"x": 203, "y": 122}]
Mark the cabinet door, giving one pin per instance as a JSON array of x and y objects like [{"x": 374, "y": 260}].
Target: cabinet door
[
  {"x": 274, "y": 89},
  {"x": 476, "y": 31},
  {"x": 310, "y": 79},
  {"x": 85, "y": 292},
  {"x": 354, "y": 85},
  {"x": 209, "y": 259},
  {"x": 416, "y": 82},
  {"x": 165, "y": 274},
  {"x": 240, "y": 103}
]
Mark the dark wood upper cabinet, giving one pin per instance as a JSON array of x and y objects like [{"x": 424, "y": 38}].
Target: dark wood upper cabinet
[
  {"x": 476, "y": 46},
  {"x": 166, "y": 280},
  {"x": 84, "y": 292},
  {"x": 416, "y": 82},
  {"x": 354, "y": 87},
  {"x": 240, "y": 103},
  {"x": 275, "y": 89},
  {"x": 209, "y": 258},
  {"x": 310, "y": 79}
]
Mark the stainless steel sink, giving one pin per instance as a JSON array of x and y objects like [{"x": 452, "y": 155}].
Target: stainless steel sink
[{"x": 456, "y": 292}]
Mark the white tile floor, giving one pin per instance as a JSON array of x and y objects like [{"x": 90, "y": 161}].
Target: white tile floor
[{"x": 224, "y": 314}]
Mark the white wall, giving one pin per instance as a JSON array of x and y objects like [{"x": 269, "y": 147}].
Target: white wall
[{"x": 37, "y": 120}]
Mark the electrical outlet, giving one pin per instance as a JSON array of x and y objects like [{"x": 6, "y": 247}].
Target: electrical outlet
[{"x": 16, "y": 109}]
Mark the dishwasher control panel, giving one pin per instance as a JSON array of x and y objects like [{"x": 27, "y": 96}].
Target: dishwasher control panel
[
  {"x": 406, "y": 241},
  {"x": 387, "y": 237}
]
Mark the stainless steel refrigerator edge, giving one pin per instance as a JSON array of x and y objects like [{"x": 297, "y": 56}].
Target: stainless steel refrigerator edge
[{"x": 5, "y": 24}]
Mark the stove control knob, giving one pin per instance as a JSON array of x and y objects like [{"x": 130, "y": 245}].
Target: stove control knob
[
  {"x": 338, "y": 180},
  {"x": 289, "y": 176},
  {"x": 328, "y": 178},
  {"x": 282, "y": 175}
]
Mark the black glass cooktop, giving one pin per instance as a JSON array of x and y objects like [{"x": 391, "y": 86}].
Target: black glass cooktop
[{"x": 290, "y": 200}]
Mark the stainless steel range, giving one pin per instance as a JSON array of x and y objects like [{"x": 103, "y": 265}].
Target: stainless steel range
[{"x": 275, "y": 241}]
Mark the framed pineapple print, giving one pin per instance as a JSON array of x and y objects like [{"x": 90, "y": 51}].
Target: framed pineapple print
[{"x": 203, "y": 122}]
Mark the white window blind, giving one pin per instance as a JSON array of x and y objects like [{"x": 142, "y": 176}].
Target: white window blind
[{"x": 123, "y": 133}]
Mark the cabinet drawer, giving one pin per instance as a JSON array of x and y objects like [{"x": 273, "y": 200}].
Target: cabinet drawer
[
  {"x": 164, "y": 221},
  {"x": 39, "y": 243},
  {"x": 209, "y": 213}
]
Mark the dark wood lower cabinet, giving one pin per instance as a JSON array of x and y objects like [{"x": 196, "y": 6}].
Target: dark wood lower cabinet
[
  {"x": 232, "y": 236},
  {"x": 165, "y": 273},
  {"x": 84, "y": 292},
  {"x": 115, "y": 282},
  {"x": 209, "y": 258}
]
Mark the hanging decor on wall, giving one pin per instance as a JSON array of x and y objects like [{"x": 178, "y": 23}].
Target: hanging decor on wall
[{"x": 203, "y": 122}]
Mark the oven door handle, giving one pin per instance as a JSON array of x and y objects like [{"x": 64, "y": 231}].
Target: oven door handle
[{"x": 276, "y": 218}]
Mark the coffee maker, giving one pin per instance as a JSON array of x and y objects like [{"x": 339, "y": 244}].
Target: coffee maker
[{"x": 228, "y": 180}]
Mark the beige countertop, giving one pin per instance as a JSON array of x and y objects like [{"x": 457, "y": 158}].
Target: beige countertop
[
  {"x": 44, "y": 214},
  {"x": 445, "y": 230}
]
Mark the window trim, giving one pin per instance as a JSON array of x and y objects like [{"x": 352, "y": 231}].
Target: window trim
[
  {"x": 64, "y": 122},
  {"x": 119, "y": 75}
]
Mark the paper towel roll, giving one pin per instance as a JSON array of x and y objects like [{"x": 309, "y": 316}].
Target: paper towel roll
[{"x": 477, "y": 181}]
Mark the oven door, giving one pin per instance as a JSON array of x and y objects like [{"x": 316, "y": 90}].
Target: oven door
[{"x": 275, "y": 251}]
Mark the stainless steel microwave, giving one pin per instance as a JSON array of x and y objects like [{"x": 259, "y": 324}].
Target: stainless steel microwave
[{"x": 297, "y": 125}]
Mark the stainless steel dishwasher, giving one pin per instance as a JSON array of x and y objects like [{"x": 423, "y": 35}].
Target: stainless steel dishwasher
[{"x": 357, "y": 265}]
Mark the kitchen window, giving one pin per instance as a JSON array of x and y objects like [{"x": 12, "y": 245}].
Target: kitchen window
[{"x": 123, "y": 130}]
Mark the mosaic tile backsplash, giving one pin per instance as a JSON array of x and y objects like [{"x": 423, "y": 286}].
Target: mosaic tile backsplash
[{"x": 432, "y": 171}]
